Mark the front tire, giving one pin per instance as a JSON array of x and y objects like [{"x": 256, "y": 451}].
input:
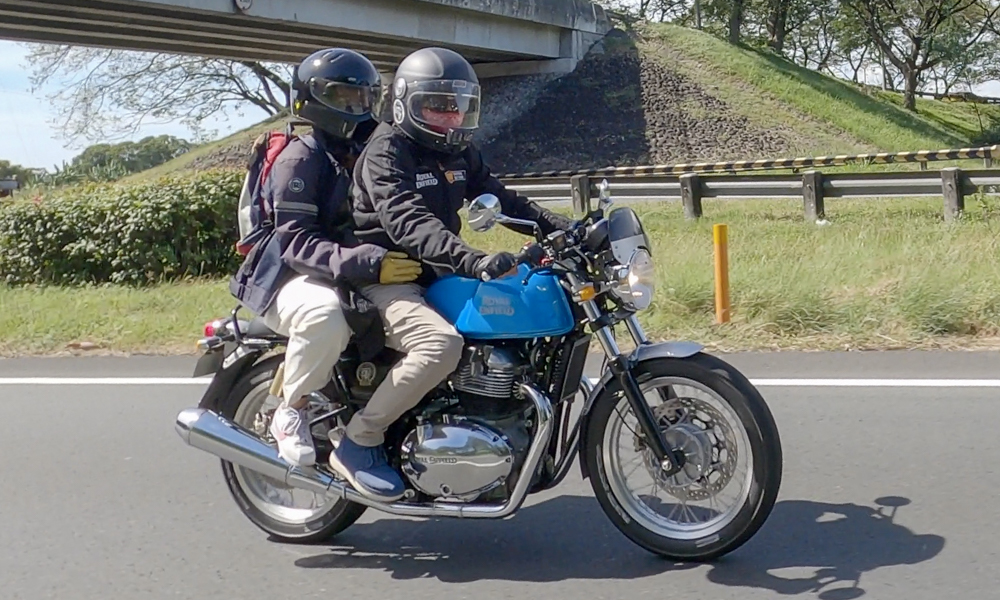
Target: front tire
[
  {"x": 712, "y": 449},
  {"x": 244, "y": 406}
]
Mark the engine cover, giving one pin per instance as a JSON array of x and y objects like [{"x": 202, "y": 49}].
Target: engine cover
[{"x": 455, "y": 458}]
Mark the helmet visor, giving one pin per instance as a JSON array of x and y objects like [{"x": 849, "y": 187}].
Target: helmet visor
[
  {"x": 345, "y": 97},
  {"x": 444, "y": 105}
]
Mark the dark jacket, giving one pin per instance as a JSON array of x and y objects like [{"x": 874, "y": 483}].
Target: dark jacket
[
  {"x": 407, "y": 198},
  {"x": 309, "y": 192}
]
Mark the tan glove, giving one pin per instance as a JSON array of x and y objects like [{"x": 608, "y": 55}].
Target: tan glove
[{"x": 398, "y": 268}]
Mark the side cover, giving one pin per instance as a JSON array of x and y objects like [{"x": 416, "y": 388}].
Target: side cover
[{"x": 503, "y": 308}]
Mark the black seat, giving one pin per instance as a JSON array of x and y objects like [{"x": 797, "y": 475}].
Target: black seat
[{"x": 258, "y": 329}]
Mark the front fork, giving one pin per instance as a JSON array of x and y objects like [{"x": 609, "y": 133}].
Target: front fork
[{"x": 671, "y": 461}]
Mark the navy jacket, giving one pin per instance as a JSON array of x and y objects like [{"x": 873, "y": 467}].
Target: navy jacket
[
  {"x": 407, "y": 198},
  {"x": 309, "y": 192}
]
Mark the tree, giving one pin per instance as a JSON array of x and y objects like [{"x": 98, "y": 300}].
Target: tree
[
  {"x": 23, "y": 174},
  {"x": 108, "y": 94},
  {"x": 917, "y": 35},
  {"x": 132, "y": 156},
  {"x": 965, "y": 66}
]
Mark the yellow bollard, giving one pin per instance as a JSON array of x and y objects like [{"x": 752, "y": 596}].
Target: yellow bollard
[{"x": 720, "y": 233}]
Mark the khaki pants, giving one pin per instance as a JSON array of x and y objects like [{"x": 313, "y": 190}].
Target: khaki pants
[
  {"x": 309, "y": 313},
  {"x": 433, "y": 348}
]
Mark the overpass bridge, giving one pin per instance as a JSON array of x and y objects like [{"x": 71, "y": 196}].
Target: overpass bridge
[{"x": 500, "y": 37}]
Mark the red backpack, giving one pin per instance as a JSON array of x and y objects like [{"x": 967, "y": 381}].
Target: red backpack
[{"x": 255, "y": 216}]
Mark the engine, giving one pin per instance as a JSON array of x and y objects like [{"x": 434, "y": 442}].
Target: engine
[{"x": 474, "y": 441}]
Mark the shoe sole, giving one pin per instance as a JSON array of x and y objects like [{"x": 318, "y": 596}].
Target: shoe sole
[{"x": 343, "y": 472}]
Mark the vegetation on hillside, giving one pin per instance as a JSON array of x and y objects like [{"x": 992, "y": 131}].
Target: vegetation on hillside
[
  {"x": 883, "y": 274},
  {"x": 667, "y": 93}
]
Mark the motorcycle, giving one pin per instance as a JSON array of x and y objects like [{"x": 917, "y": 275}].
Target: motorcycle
[{"x": 499, "y": 428}]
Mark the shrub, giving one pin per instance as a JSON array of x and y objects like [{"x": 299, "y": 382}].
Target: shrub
[{"x": 163, "y": 230}]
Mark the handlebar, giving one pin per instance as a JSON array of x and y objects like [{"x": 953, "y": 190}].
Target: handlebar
[{"x": 533, "y": 253}]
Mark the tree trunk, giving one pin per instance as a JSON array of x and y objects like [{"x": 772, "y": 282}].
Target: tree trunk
[
  {"x": 777, "y": 25},
  {"x": 735, "y": 21},
  {"x": 910, "y": 89}
]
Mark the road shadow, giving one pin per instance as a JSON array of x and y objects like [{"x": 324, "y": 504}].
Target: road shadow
[
  {"x": 569, "y": 537},
  {"x": 830, "y": 545}
]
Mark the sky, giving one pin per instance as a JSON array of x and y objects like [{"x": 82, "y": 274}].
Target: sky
[{"x": 27, "y": 138}]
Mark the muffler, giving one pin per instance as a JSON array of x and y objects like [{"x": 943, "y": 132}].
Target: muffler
[
  {"x": 210, "y": 432},
  {"x": 205, "y": 430}
]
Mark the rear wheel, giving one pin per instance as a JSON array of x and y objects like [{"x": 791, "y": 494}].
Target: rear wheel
[
  {"x": 288, "y": 514},
  {"x": 733, "y": 467}
]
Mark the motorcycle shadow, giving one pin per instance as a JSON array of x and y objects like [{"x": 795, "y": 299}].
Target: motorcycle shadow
[
  {"x": 568, "y": 537},
  {"x": 829, "y": 545}
]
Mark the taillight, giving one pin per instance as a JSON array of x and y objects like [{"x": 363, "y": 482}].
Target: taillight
[{"x": 213, "y": 327}]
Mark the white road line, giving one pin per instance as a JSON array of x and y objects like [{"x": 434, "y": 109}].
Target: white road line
[
  {"x": 929, "y": 383},
  {"x": 932, "y": 383},
  {"x": 104, "y": 381}
]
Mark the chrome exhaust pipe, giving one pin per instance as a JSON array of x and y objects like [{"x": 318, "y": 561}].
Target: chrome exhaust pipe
[
  {"x": 212, "y": 433},
  {"x": 205, "y": 430}
]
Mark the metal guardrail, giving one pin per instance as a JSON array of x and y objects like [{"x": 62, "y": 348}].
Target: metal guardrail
[
  {"x": 959, "y": 97},
  {"x": 920, "y": 156},
  {"x": 952, "y": 183}
]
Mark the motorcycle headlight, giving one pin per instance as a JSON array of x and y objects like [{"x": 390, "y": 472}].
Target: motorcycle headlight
[{"x": 638, "y": 280}]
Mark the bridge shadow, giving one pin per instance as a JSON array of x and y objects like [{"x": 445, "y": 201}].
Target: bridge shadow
[{"x": 569, "y": 538}]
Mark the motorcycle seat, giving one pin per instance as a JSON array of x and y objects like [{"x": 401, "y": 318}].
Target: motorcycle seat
[{"x": 256, "y": 328}]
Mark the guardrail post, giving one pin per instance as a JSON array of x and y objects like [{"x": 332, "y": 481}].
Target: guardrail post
[
  {"x": 691, "y": 195},
  {"x": 579, "y": 187},
  {"x": 812, "y": 195},
  {"x": 954, "y": 196}
]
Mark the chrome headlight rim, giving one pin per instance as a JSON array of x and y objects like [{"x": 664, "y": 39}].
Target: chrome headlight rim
[{"x": 637, "y": 276}]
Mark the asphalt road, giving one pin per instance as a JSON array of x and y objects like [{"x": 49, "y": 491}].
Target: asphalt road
[{"x": 889, "y": 493}]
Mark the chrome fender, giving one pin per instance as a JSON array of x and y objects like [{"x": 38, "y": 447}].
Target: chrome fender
[{"x": 642, "y": 353}]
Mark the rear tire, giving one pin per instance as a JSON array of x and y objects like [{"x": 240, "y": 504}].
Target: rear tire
[
  {"x": 329, "y": 522},
  {"x": 733, "y": 393}
]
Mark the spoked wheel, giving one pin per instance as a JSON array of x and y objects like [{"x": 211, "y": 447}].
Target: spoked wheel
[
  {"x": 288, "y": 514},
  {"x": 732, "y": 471}
]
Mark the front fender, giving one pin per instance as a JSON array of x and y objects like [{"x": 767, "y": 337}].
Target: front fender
[{"x": 642, "y": 353}]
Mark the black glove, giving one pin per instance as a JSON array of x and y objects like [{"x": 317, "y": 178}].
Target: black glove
[
  {"x": 558, "y": 221},
  {"x": 492, "y": 266}
]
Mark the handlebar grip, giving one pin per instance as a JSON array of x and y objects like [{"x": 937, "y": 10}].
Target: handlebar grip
[{"x": 526, "y": 255}]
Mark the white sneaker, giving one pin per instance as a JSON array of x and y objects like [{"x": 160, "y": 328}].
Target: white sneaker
[{"x": 291, "y": 430}]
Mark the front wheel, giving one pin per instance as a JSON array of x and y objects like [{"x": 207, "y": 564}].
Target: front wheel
[{"x": 733, "y": 466}]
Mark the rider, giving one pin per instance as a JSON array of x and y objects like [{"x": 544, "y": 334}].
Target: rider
[
  {"x": 299, "y": 277},
  {"x": 409, "y": 184}
]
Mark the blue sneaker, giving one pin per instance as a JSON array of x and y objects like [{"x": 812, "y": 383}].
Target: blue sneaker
[{"x": 368, "y": 470}]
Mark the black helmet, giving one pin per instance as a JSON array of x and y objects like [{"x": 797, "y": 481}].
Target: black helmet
[
  {"x": 335, "y": 89},
  {"x": 436, "y": 99}
]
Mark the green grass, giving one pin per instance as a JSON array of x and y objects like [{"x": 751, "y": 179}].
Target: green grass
[
  {"x": 165, "y": 319},
  {"x": 776, "y": 91},
  {"x": 882, "y": 274}
]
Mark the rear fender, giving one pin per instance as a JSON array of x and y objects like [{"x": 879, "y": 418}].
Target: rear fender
[
  {"x": 607, "y": 383},
  {"x": 229, "y": 363}
]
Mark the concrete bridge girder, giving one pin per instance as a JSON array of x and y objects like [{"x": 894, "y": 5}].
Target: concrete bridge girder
[{"x": 287, "y": 30}]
